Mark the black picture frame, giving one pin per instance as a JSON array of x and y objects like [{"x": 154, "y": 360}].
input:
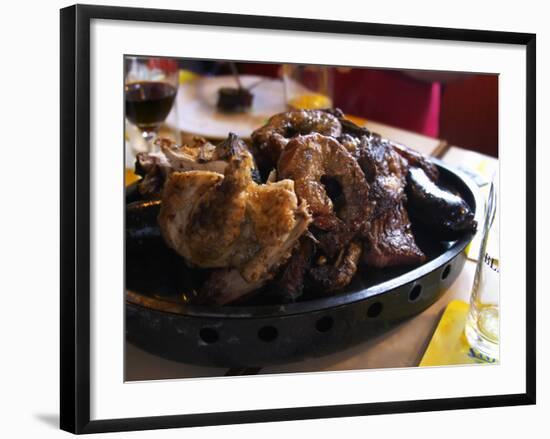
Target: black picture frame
[{"x": 75, "y": 217}]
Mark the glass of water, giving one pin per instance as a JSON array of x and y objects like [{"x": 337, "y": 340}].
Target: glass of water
[{"x": 482, "y": 324}]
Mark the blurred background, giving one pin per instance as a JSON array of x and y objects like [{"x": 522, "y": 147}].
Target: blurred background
[
  {"x": 428, "y": 110},
  {"x": 461, "y": 108}
]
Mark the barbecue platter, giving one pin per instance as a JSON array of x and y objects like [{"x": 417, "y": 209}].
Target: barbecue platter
[{"x": 315, "y": 235}]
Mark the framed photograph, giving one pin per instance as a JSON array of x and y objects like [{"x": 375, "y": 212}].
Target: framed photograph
[{"x": 268, "y": 219}]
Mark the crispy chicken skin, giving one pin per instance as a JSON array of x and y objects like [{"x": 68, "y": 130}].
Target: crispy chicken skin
[
  {"x": 197, "y": 155},
  {"x": 201, "y": 155},
  {"x": 230, "y": 222},
  {"x": 230, "y": 284},
  {"x": 213, "y": 233}
]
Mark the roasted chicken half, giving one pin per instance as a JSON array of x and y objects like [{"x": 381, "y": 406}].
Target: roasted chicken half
[{"x": 230, "y": 223}]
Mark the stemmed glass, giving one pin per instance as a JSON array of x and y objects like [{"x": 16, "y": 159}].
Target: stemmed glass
[{"x": 150, "y": 89}]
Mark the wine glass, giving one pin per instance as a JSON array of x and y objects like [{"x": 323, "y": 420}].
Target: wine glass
[{"x": 150, "y": 89}]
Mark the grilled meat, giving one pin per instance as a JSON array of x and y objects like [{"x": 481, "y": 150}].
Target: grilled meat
[
  {"x": 289, "y": 284},
  {"x": 446, "y": 215},
  {"x": 390, "y": 241},
  {"x": 228, "y": 221},
  {"x": 353, "y": 136},
  {"x": 310, "y": 159},
  {"x": 270, "y": 140},
  {"x": 340, "y": 194},
  {"x": 199, "y": 155},
  {"x": 332, "y": 277}
]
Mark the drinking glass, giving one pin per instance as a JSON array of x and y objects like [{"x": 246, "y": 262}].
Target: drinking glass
[
  {"x": 482, "y": 324},
  {"x": 307, "y": 87},
  {"x": 150, "y": 89}
]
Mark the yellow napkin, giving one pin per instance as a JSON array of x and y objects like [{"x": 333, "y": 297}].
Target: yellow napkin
[
  {"x": 130, "y": 177},
  {"x": 448, "y": 345}
]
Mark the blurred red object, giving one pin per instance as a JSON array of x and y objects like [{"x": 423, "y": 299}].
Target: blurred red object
[
  {"x": 381, "y": 95},
  {"x": 469, "y": 113},
  {"x": 167, "y": 64},
  {"x": 461, "y": 108},
  {"x": 390, "y": 97}
]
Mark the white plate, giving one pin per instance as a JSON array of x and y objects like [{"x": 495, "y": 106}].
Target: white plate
[{"x": 196, "y": 111}]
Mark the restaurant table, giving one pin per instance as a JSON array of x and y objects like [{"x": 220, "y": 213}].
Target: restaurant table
[{"x": 401, "y": 346}]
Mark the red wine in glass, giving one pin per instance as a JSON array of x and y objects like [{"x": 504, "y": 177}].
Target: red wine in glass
[
  {"x": 150, "y": 89},
  {"x": 148, "y": 103}
]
